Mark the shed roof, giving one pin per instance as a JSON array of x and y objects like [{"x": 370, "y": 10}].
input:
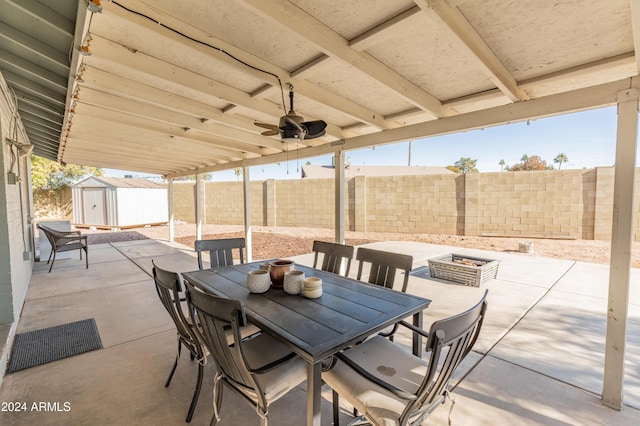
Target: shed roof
[
  {"x": 314, "y": 171},
  {"x": 174, "y": 90},
  {"x": 119, "y": 182}
]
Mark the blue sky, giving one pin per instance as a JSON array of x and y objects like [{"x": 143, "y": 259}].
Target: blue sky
[{"x": 587, "y": 138}]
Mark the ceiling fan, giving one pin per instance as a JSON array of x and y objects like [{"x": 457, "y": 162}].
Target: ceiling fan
[{"x": 292, "y": 127}]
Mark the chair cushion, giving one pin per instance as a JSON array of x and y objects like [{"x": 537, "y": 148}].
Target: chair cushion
[
  {"x": 388, "y": 361},
  {"x": 264, "y": 349}
]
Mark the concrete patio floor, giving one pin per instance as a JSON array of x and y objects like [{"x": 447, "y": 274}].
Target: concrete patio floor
[{"x": 539, "y": 359}]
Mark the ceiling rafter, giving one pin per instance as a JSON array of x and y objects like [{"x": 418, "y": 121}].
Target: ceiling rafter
[
  {"x": 110, "y": 83},
  {"x": 635, "y": 27},
  {"x": 148, "y": 140},
  {"x": 454, "y": 22},
  {"x": 139, "y": 156},
  {"x": 161, "y": 129},
  {"x": 333, "y": 44},
  {"x": 586, "y": 98},
  {"x": 302, "y": 87},
  {"x": 136, "y": 108},
  {"x": 378, "y": 33},
  {"x": 144, "y": 152},
  {"x": 143, "y": 166},
  {"x": 108, "y": 55}
]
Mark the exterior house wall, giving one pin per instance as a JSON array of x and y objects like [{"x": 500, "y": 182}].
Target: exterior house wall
[
  {"x": 16, "y": 228},
  {"x": 16, "y": 233}
]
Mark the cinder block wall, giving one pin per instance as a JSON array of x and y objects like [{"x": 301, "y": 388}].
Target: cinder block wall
[
  {"x": 305, "y": 202},
  {"x": 541, "y": 203},
  {"x": 413, "y": 204},
  {"x": 553, "y": 203}
]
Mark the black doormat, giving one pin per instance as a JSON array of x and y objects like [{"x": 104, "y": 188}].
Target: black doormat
[{"x": 51, "y": 344}]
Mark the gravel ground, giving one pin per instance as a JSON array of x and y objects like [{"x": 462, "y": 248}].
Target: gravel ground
[{"x": 270, "y": 242}]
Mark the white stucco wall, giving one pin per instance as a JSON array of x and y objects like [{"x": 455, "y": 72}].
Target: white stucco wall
[{"x": 15, "y": 212}]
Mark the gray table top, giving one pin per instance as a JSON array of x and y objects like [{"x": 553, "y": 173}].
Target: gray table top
[{"x": 347, "y": 312}]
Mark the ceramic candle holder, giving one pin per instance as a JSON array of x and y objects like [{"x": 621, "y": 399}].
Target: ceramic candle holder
[
  {"x": 265, "y": 266},
  {"x": 293, "y": 282},
  {"x": 258, "y": 281},
  {"x": 312, "y": 287}
]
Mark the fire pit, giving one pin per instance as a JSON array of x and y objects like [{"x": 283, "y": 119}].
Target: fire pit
[{"x": 467, "y": 270}]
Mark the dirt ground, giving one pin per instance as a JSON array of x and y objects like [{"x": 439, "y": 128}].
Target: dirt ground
[{"x": 270, "y": 242}]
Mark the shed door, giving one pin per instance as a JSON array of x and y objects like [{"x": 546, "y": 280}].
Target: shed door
[{"x": 94, "y": 206}]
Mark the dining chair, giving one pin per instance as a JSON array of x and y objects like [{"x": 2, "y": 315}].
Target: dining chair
[
  {"x": 170, "y": 293},
  {"x": 390, "y": 386},
  {"x": 260, "y": 369},
  {"x": 220, "y": 251},
  {"x": 333, "y": 255},
  {"x": 384, "y": 265}
]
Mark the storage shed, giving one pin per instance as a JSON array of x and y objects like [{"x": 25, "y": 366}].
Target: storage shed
[{"x": 108, "y": 202}]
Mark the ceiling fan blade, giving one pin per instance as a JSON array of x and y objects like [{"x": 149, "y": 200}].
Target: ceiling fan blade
[
  {"x": 267, "y": 126},
  {"x": 315, "y": 129},
  {"x": 271, "y": 132}
]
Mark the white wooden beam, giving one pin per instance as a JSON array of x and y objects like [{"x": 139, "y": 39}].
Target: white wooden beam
[
  {"x": 621, "y": 246},
  {"x": 635, "y": 27},
  {"x": 144, "y": 69},
  {"x": 117, "y": 119},
  {"x": 170, "y": 193},
  {"x": 161, "y": 114},
  {"x": 246, "y": 192},
  {"x": 339, "y": 196},
  {"x": 226, "y": 53},
  {"x": 199, "y": 205},
  {"x": 100, "y": 133},
  {"x": 94, "y": 161},
  {"x": 140, "y": 67},
  {"x": 380, "y": 32},
  {"x": 454, "y": 22},
  {"x": 577, "y": 100},
  {"x": 127, "y": 89},
  {"x": 333, "y": 44}
]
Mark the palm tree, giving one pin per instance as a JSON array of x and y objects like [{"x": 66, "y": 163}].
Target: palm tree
[
  {"x": 560, "y": 158},
  {"x": 502, "y": 164},
  {"x": 524, "y": 158}
]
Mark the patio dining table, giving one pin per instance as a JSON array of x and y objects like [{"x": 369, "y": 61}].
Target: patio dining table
[{"x": 347, "y": 312}]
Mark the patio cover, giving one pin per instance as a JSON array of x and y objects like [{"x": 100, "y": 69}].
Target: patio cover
[{"x": 174, "y": 88}]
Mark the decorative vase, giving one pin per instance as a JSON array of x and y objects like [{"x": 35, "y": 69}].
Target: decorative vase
[
  {"x": 258, "y": 281},
  {"x": 293, "y": 282},
  {"x": 277, "y": 269}
]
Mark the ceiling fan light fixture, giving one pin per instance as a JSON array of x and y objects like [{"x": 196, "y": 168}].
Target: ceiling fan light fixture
[
  {"x": 292, "y": 127},
  {"x": 290, "y": 135}
]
